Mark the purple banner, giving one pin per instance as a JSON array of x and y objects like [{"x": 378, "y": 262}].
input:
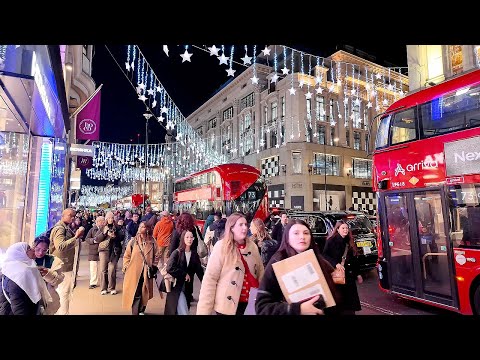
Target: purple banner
[
  {"x": 88, "y": 120},
  {"x": 84, "y": 162}
]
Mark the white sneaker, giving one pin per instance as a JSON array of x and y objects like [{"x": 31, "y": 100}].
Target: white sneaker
[
  {"x": 104, "y": 292},
  {"x": 141, "y": 313},
  {"x": 113, "y": 292}
]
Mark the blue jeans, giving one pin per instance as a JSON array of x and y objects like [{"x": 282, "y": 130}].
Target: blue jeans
[{"x": 182, "y": 307}]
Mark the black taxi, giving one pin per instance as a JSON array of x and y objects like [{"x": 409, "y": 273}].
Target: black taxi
[{"x": 323, "y": 222}]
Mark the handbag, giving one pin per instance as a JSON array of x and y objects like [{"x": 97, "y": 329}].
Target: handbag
[
  {"x": 338, "y": 275},
  {"x": 103, "y": 245},
  {"x": 202, "y": 250}
]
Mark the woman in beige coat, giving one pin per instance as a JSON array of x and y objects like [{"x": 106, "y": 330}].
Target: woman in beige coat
[
  {"x": 227, "y": 282},
  {"x": 137, "y": 287}
]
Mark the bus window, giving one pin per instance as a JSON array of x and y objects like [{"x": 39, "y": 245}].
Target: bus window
[
  {"x": 403, "y": 126},
  {"x": 465, "y": 215},
  {"x": 382, "y": 132}
]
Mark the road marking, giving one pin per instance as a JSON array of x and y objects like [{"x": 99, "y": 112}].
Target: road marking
[{"x": 377, "y": 308}]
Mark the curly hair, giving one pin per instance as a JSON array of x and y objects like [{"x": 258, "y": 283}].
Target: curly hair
[{"x": 185, "y": 222}]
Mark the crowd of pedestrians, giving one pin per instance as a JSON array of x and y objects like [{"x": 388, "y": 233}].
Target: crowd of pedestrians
[{"x": 165, "y": 251}]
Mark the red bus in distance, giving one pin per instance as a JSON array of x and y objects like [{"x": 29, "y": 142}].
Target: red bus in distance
[
  {"x": 426, "y": 173},
  {"x": 227, "y": 188}
]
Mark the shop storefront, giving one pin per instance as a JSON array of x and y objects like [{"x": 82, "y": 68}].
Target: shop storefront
[{"x": 33, "y": 114}]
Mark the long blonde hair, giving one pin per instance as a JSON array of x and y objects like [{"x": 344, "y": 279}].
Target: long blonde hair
[{"x": 229, "y": 245}]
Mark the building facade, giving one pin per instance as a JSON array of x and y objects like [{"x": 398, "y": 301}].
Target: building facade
[
  {"x": 311, "y": 146},
  {"x": 431, "y": 64}
]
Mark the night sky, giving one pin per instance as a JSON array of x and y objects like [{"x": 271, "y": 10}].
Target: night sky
[{"x": 189, "y": 84}]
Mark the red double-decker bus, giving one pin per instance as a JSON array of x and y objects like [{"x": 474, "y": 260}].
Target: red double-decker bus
[
  {"x": 226, "y": 188},
  {"x": 426, "y": 173}
]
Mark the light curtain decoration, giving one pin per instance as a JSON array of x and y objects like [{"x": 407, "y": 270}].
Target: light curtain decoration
[{"x": 96, "y": 195}]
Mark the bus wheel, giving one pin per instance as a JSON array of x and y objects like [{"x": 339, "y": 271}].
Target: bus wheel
[{"x": 476, "y": 301}]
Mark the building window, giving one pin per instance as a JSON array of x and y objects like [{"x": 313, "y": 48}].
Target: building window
[
  {"x": 326, "y": 164},
  {"x": 273, "y": 137},
  {"x": 357, "y": 121},
  {"x": 297, "y": 162},
  {"x": 266, "y": 114},
  {"x": 227, "y": 114},
  {"x": 283, "y": 107},
  {"x": 456, "y": 59},
  {"x": 309, "y": 109},
  {"x": 367, "y": 142},
  {"x": 282, "y": 132},
  {"x": 212, "y": 123},
  {"x": 200, "y": 130},
  {"x": 362, "y": 168},
  {"x": 274, "y": 110},
  {"x": 347, "y": 137},
  {"x": 320, "y": 108},
  {"x": 356, "y": 140},
  {"x": 332, "y": 136},
  {"x": 321, "y": 134},
  {"x": 247, "y": 101},
  {"x": 345, "y": 116},
  {"x": 247, "y": 122},
  {"x": 331, "y": 114}
]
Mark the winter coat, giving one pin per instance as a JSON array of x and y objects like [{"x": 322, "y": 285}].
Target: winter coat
[
  {"x": 53, "y": 278},
  {"x": 134, "y": 267},
  {"x": 94, "y": 237},
  {"x": 177, "y": 267},
  {"x": 163, "y": 230},
  {"x": 277, "y": 232},
  {"x": 333, "y": 252},
  {"x": 208, "y": 222},
  {"x": 175, "y": 242},
  {"x": 218, "y": 228},
  {"x": 223, "y": 279},
  {"x": 20, "y": 302},
  {"x": 132, "y": 228},
  {"x": 66, "y": 245},
  {"x": 270, "y": 299}
]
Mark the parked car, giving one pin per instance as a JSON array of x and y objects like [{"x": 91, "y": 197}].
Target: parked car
[{"x": 323, "y": 222}]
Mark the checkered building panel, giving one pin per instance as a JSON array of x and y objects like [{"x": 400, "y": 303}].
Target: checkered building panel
[
  {"x": 364, "y": 201},
  {"x": 271, "y": 166},
  {"x": 276, "y": 198}
]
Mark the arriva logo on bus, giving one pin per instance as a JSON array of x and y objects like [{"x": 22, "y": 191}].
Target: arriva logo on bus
[{"x": 417, "y": 166}]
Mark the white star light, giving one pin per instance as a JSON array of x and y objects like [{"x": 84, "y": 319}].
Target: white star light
[
  {"x": 353, "y": 91},
  {"x": 301, "y": 83},
  {"x": 161, "y": 118},
  {"x": 385, "y": 102},
  {"x": 150, "y": 92},
  {"x": 291, "y": 136},
  {"x": 186, "y": 56},
  {"x": 258, "y": 151},
  {"x": 274, "y": 78},
  {"x": 165, "y": 49},
  {"x": 285, "y": 70},
  {"x": 132, "y": 65},
  {"x": 164, "y": 110},
  {"x": 319, "y": 90},
  {"x": 154, "y": 103},
  {"x": 277, "y": 146},
  {"x": 369, "y": 104},
  {"x": 213, "y": 50},
  {"x": 292, "y": 91},
  {"x": 378, "y": 76},
  {"x": 127, "y": 65},
  {"x": 318, "y": 80},
  {"x": 308, "y": 95},
  {"x": 331, "y": 88},
  {"x": 159, "y": 88},
  {"x": 266, "y": 51},
  {"x": 357, "y": 101},
  {"x": 254, "y": 79},
  {"x": 377, "y": 108},
  {"x": 390, "y": 87},
  {"x": 247, "y": 60},
  {"x": 142, "y": 97},
  {"x": 230, "y": 72},
  {"x": 223, "y": 59}
]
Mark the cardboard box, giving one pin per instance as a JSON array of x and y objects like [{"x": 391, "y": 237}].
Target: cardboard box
[{"x": 301, "y": 278}]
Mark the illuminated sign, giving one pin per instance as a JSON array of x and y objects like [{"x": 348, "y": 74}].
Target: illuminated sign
[
  {"x": 462, "y": 157},
  {"x": 41, "y": 83},
  {"x": 82, "y": 150}
]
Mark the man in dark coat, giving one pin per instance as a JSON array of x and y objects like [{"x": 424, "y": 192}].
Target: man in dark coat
[{"x": 277, "y": 231}]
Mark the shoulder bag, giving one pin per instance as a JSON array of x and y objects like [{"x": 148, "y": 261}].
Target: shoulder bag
[
  {"x": 151, "y": 270},
  {"x": 338, "y": 275}
]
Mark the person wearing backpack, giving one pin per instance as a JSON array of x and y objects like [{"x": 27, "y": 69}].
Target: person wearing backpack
[{"x": 64, "y": 244}]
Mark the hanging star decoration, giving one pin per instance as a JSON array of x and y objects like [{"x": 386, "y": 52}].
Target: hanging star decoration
[
  {"x": 318, "y": 80},
  {"x": 150, "y": 92},
  {"x": 319, "y": 90},
  {"x": 127, "y": 65},
  {"x": 285, "y": 70},
  {"x": 186, "y": 56},
  {"x": 223, "y": 59},
  {"x": 266, "y": 51},
  {"x": 247, "y": 60},
  {"x": 378, "y": 76},
  {"x": 369, "y": 104},
  {"x": 254, "y": 79},
  {"x": 277, "y": 146},
  {"x": 308, "y": 95},
  {"x": 301, "y": 83},
  {"x": 158, "y": 88},
  {"x": 274, "y": 78},
  {"x": 154, "y": 103},
  {"x": 292, "y": 91},
  {"x": 142, "y": 97},
  {"x": 164, "y": 110},
  {"x": 161, "y": 118},
  {"x": 165, "y": 49},
  {"x": 292, "y": 136},
  {"x": 213, "y": 50},
  {"x": 331, "y": 88},
  {"x": 377, "y": 108},
  {"x": 230, "y": 72}
]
